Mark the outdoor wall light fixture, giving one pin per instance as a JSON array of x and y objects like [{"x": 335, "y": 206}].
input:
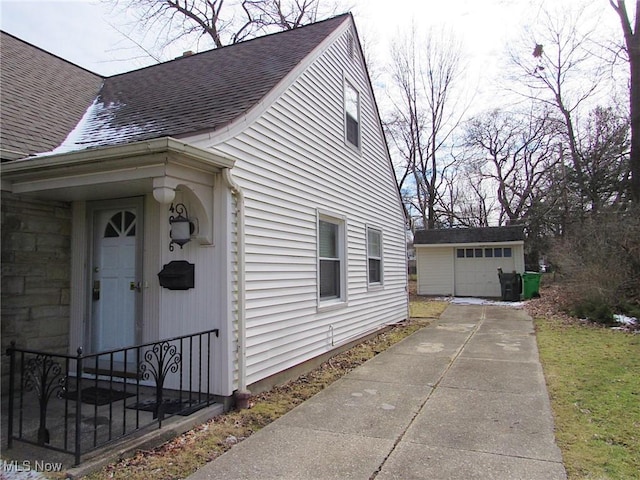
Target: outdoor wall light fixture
[{"x": 181, "y": 227}]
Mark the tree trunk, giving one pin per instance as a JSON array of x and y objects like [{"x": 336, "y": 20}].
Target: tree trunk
[
  {"x": 634, "y": 111},
  {"x": 632, "y": 42}
]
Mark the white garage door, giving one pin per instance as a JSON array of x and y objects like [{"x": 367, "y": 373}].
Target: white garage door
[{"x": 476, "y": 270}]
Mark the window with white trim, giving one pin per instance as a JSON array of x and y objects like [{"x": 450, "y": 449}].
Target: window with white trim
[
  {"x": 352, "y": 114},
  {"x": 330, "y": 257},
  {"x": 374, "y": 255}
]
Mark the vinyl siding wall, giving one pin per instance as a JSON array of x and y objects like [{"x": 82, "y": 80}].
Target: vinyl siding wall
[
  {"x": 213, "y": 301},
  {"x": 295, "y": 163},
  {"x": 435, "y": 270}
]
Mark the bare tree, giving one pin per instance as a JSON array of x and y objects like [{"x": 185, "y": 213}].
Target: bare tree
[
  {"x": 425, "y": 75},
  {"x": 632, "y": 43},
  {"x": 558, "y": 66},
  {"x": 220, "y": 23},
  {"x": 604, "y": 146},
  {"x": 282, "y": 15},
  {"x": 464, "y": 199},
  {"x": 516, "y": 153}
]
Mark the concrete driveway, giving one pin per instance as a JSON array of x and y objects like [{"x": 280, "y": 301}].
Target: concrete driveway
[{"x": 463, "y": 398}]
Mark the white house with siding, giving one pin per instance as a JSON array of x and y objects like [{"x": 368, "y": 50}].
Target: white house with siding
[{"x": 273, "y": 151}]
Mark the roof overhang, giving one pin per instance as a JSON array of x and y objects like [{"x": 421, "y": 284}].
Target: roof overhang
[
  {"x": 109, "y": 172},
  {"x": 469, "y": 244}
]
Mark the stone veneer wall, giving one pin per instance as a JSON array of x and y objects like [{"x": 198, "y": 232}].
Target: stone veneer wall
[{"x": 36, "y": 272}]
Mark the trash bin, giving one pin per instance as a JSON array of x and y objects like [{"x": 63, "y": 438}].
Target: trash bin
[
  {"x": 531, "y": 285},
  {"x": 510, "y": 286}
]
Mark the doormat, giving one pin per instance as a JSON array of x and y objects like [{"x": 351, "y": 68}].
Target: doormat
[
  {"x": 98, "y": 396},
  {"x": 171, "y": 406}
]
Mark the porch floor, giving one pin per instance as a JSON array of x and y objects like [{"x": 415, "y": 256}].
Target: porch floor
[{"x": 113, "y": 413}]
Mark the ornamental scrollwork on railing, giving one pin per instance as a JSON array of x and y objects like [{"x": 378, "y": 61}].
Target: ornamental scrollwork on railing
[
  {"x": 44, "y": 377},
  {"x": 163, "y": 358}
]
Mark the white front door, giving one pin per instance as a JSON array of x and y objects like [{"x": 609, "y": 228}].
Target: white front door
[{"x": 115, "y": 274}]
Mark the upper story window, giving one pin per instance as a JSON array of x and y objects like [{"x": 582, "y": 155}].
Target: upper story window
[
  {"x": 374, "y": 255},
  {"x": 352, "y": 114}
]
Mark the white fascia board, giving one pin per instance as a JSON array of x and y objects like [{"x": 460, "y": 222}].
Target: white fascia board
[
  {"x": 112, "y": 153},
  {"x": 117, "y": 163}
]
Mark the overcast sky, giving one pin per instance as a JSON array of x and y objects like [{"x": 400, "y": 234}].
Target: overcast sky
[{"x": 85, "y": 32}]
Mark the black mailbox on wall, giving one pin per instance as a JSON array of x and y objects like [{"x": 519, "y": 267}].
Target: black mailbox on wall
[{"x": 177, "y": 275}]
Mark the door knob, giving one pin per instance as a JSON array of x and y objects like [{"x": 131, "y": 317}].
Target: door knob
[{"x": 135, "y": 286}]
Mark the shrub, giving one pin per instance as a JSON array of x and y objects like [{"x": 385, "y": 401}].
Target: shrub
[
  {"x": 595, "y": 310},
  {"x": 598, "y": 261}
]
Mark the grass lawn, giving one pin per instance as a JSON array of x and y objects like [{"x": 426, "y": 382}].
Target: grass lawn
[
  {"x": 426, "y": 309},
  {"x": 593, "y": 378}
]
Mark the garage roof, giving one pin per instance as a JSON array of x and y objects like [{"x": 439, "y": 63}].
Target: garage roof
[{"x": 469, "y": 235}]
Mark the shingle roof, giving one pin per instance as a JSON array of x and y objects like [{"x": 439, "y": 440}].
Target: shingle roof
[
  {"x": 198, "y": 93},
  {"x": 469, "y": 235},
  {"x": 42, "y": 98}
]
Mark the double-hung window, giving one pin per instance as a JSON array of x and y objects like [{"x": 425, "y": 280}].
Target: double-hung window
[
  {"x": 330, "y": 258},
  {"x": 352, "y": 114},
  {"x": 374, "y": 256}
]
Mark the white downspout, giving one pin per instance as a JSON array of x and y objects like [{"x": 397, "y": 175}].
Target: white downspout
[{"x": 242, "y": 395}]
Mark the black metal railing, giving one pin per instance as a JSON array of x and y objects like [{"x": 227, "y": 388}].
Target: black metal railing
[{"x": 75, "y": 404}]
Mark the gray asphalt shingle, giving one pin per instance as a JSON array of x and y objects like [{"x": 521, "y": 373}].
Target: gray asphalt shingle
[
  {"x": 469, "y": 235},
  {"x": 185, "y": 96},
  {"x": 42, "y": 97}
]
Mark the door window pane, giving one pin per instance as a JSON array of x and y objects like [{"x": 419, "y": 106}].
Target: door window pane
[{"x": 122, "y": 224}]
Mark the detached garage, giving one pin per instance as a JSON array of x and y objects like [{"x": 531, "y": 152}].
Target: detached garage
[{"x": 464, "y": 262}]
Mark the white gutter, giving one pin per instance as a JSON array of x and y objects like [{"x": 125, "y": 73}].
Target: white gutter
[
  {"x": 243, "y": 393},
  {"x": 82, "y": 159}
]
